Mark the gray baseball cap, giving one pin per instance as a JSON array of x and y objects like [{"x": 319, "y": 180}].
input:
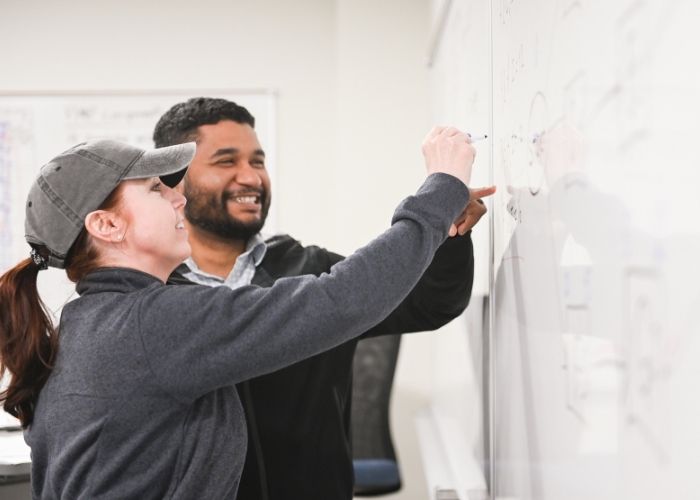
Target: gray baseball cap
[{"x": 79, "y": 180}]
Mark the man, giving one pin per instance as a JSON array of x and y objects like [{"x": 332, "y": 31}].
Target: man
[{"x": 298, "y": 417}]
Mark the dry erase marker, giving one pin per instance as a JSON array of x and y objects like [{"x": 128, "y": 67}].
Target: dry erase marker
[{"x": 474, "y": 138}]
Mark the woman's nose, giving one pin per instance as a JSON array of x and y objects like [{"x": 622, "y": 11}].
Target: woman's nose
[{"x": 175, "y": 197}]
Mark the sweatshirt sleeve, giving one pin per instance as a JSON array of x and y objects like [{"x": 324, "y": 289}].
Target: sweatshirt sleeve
[{"x": 199, "y": 338}]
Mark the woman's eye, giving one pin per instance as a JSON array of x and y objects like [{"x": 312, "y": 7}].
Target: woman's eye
[{"x": 156, "y": 187}]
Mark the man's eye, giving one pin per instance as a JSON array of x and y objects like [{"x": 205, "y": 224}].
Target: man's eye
[{"x": 156, "y": 186}]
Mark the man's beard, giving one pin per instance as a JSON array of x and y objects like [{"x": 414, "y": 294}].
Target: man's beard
[{"x": 209, "y": 213}]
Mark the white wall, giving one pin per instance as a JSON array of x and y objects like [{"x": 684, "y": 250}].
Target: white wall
[
  {"x": 352, "y": 104},
  {"x": 383, "y": 111}
]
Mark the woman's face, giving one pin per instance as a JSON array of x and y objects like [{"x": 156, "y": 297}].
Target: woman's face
[{"x": 155, "y": 235}]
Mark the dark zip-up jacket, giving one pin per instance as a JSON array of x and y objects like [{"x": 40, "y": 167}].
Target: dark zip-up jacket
[{"x": 299, "y": 417}]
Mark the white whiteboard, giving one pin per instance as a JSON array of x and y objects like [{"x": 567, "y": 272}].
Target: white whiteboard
[
  {"x": 36, "y": 127},
  {"x": 593, "y": 109}
]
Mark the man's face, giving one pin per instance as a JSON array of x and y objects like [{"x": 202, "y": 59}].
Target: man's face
[{"x": 227, "y": 185}]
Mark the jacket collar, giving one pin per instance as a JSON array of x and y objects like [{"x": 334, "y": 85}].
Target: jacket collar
[{"x": 115, "y": 279}]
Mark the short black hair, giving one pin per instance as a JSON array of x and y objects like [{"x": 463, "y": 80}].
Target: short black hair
[{"x": 179, "y": 124}]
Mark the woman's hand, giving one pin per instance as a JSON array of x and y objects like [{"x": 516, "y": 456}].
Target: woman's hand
[{"x": 449, "y": 151}]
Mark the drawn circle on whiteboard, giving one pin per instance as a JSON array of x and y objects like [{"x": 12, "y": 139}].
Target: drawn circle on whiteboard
[{"x": 537, "y": 123}]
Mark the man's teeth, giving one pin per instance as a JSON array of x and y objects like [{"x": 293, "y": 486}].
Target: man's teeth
[{"x": 245, "y": 199}]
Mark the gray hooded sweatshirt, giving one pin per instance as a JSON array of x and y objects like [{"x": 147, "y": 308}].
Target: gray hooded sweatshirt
[{"x": 142, "y": 404}]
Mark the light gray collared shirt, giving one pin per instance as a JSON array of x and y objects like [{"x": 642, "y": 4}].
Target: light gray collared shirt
[{"x": 242, "y": 272}]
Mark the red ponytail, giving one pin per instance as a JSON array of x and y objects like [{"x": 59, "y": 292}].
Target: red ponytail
[{"x": 28, "y": 340}]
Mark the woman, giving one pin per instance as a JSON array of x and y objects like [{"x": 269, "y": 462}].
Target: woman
[{"x": 136, "y": 398}]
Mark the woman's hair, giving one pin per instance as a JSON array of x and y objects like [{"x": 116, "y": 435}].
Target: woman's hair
[{"x": 28, "y": 338}]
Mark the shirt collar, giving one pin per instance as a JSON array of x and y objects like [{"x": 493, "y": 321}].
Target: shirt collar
[{"x": 256, "y": 248}]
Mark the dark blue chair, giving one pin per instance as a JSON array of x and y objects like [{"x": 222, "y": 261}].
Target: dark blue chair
[{"x": 374, "y": 459}]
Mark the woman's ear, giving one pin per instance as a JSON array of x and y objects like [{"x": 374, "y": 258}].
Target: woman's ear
[{"x": 105, "y": 226}]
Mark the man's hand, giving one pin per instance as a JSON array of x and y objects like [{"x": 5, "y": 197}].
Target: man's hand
[{"x": 474, "y": 211}]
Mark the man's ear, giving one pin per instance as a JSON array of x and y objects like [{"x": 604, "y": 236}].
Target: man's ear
[{"x": 105, "y": 226}]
